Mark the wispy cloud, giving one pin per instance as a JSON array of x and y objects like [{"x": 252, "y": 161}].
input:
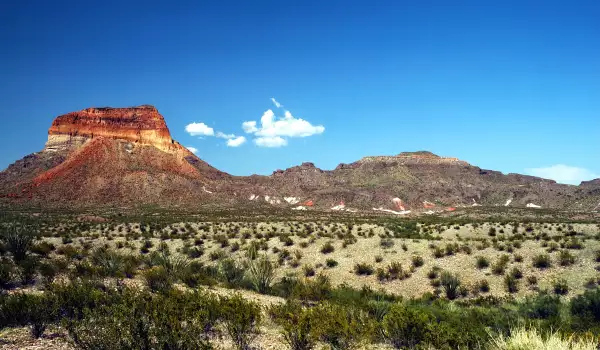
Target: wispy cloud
[
  {"x": 277, "y": 104},
  {"x": 274, "y": 131},
  {"x": 192, "y": 149},
  {"x": 199, "y": 129},
  {"x": 224, "y": 136},
  {"x": 563, "y": 173}
]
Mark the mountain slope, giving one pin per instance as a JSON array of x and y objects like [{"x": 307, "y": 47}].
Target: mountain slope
[{"x": 126, "y": 156}]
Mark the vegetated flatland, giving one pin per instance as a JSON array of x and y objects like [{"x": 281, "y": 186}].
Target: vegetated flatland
[{"x": 296, "y": 281}]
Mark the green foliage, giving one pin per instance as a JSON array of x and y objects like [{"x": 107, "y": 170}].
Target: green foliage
[
  {"x": 342, "y": 327},
  {"x": 261, "y": 273},
  {"x": 450, "y": 283},
  {"x": 363, "y": 269},
  {"x": 542, "y": 261},
  {"x": 331, "y": 263},
  {"x": 297, "y": 323},
  {"x": 587, "y": 306},
  {"x": 327, "y": 248},
  {"x": 18, "y": 241},
  {"x": 406, "y": 327},
  {"x": 482, "y": 262},
  {"x": 561, "y": 287},
  {"x": 232, "y": 271},
  {"x": 242, "y": 319},
  {"x": 511, "y": 283},
  {"x": 542, "y": 306},
  {"x": 158, "y": 279}
]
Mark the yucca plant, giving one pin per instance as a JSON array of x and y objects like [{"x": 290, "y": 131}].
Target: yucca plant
[
  {"x": 261, "y": 273},
  {"x": 450, "y": 283}
]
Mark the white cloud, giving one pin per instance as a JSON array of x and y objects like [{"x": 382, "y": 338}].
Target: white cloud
[
  {"x": 274, "y": 131},
  {"x": 249, "y": 127},
  {"x": 192, "y": 149},
  {"x": 236, "y": 141},
  {"x": 225, "y": 136},
  {"x": 277, "y": 104},
  {"x": 289, "y": 126},
  {"x": 272, "y": 142},
  {"x": 563, "y": 174},
  {"x": 199, "y": 129}
]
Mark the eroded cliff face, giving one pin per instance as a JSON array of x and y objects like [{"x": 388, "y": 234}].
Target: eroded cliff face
[{"x": 141, "y": 125}]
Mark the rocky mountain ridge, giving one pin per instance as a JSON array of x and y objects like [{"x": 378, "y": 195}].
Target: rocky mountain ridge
[{"x": 126, "y": 156}]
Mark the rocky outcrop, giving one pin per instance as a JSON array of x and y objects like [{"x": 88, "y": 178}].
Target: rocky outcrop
[{"x": 141, "y": 125}]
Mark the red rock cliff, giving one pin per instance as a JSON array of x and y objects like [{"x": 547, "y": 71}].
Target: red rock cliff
[{"x": 142, "y": 125}]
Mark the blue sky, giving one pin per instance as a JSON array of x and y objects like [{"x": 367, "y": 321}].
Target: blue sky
[{"x": 506, "y": 85}]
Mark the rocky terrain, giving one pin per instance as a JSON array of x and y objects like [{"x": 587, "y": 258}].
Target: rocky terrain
[{"x": 127, "y": 157}]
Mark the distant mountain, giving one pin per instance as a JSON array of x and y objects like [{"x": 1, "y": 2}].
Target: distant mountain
[{"x": 126, "y": 157}]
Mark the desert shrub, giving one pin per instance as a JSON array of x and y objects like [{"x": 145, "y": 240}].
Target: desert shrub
[
  {"x": 327, "y": 248},
  {"x": 297, "y": 323},
  {"x": 450, "y": 284},
  {"x": 341, "y": 327},
  {"x": 308, "y": 270},
  {"x": 241, "y": 320},
  {"x": 406, "y": 327},
  {"x": 565, "y": 258},
  {"x": 42, "y": 248},
  {"x": 542, "y": 261},
  {"x": 378, "y": 258},
  {"x": 18, "y": 241},
  {"x": 232, "y": 271},
  {"x": 511, "y": 283},
  {"x": 597, "y": 256},
  {"x": 28, "y": 269},
  {"x": 363, "y": 269},
  {"x": 483, "y": 286},
  {"x": 533, "y": 339},
  {"x": 176, "y": 266},
  {"x": 158, "y": 279},
  {"x": 140, "y": 321},
  {"x": 28, "y": 309},
  {"x": 331, "y": 263},
  {"x": 7, "y": 269},
  {"x": 482, "y": 262},
  {"x": 386, "y": 242},
  {"x": 433, "y": 273},
  {"x": 587, "y": 306},
  {"x": 417, "y": 261},
  {"x": 516, "y": 273},
  {"x": 561, "y": 287},
  {"x": 261, "y": 273},
  {"x": 542, "y": 306}
]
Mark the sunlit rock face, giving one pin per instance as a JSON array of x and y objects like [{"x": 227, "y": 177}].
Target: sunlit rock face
[{"x": 142, "y": 125}]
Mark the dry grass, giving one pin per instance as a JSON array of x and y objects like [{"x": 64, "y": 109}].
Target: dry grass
[{"x": 531, "y": 339}]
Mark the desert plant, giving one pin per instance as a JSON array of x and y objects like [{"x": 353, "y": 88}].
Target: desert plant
[
  {"x": 532, "y": 339},
  {"x": 363, "y": 269},
  {"x": 482, "y": 262},
  {"x": 541, "y": 261},
  {"x": 406, "y": 327},
  {"x": 232, "y": 271},
  {"x": 511, "y": 283},
  {"x": 261, "y": 273},
  {"x": 242, "y": 320},
  {"x": 561, "y": 287},
  {"x": 450, "y": 284},
  {"x": 331, "y": 263},
  {"x": 18, "y": 241},
  {"x": 327, "y": 248}
]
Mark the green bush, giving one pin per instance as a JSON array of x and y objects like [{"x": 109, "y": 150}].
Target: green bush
[
  {"x": 331, "y": 263},
  {"x": 406, "y": 327},
  {"x": 342, "y": 327},
  {"x": 363, "y": 269},
  {"x": 417, "y": 261},
  {"x": 587, "y": 306},
  {"x": 542, "y": 306},
  {"x": 232, "y": 271},
  {"x": 511, "y": 283},
  {"x": 18, "y": 241},
  {"x": 261, "y": 273},
  {"x": 327, "y": 248},
  {"x": 297, "y": 323},
  {"x": 565, "y": 258},
  {"x": 450, "y": 283},
  {"x": 482, "y": 262},
  {"x": 158, "y": 279},
  {"x": 242, "y": 320},
  {"x": 542, "y": 261},
  {"x": 561, "y": 287}
]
